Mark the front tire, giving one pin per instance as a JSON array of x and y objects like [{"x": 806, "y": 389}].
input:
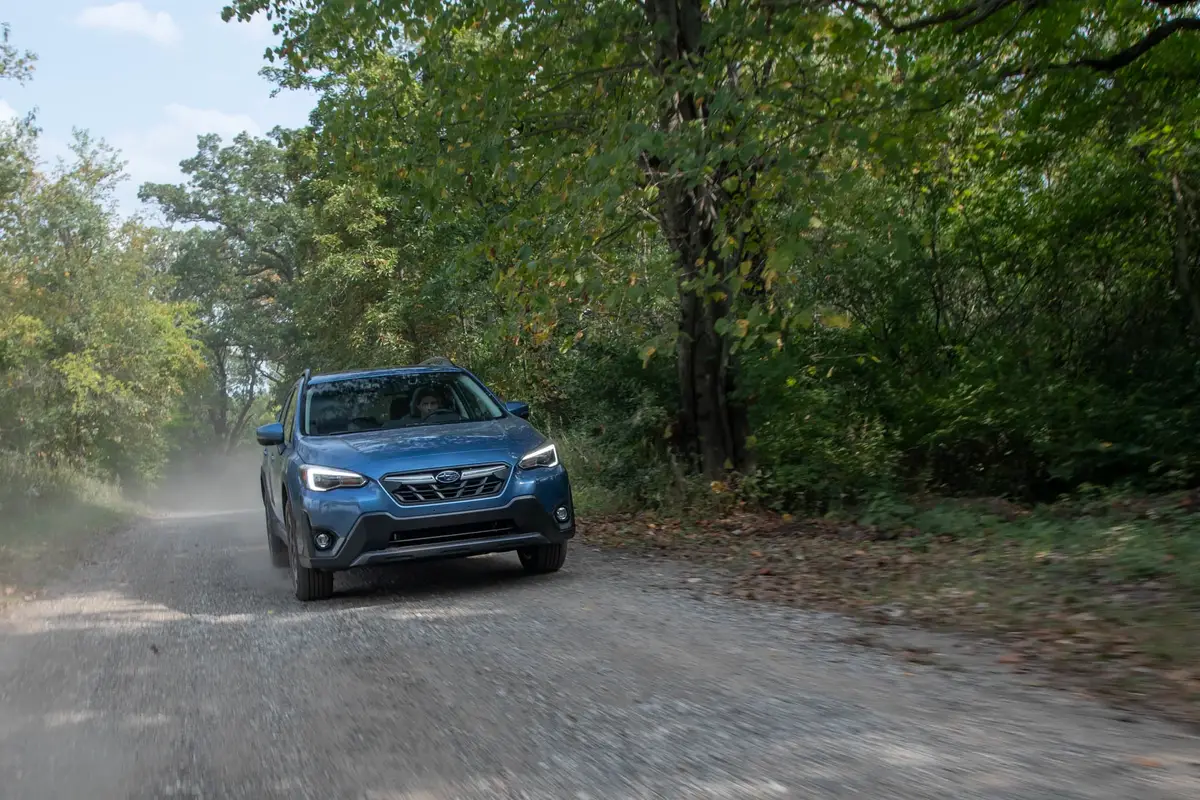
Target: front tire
[
  {"x": 307, "y": 583},
  {"x": 543, "y": 558}
]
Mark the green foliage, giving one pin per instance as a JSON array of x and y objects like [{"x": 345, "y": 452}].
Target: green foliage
[
  {"x": 818, "y": 443},
  {"x": 92, "y": 358},
  {"x": 957, "y": 252},
  {"x": 1019, "y": 311},
  {"x": 618, "y": 439},
  {"x": 602, "y": 155},
  {"x": 14, "y": 64},
  {"x": 867, "y": 249}
]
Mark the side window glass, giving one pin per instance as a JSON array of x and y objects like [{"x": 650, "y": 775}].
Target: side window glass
[{"x": 289, "y": 416}]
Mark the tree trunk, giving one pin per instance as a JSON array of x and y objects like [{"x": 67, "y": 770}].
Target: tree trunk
[
  {"x": 218, "y": 410},
  {"x": 710, "y": 421},
  {"x": 711, "y": 424},
  {"x": 234, "y": 435}
]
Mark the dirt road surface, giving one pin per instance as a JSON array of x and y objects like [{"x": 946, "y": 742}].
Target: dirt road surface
[{"x": 174, "y": 664}]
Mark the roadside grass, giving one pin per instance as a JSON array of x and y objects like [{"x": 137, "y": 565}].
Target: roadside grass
[
  {"x": 51, "y": 515},
  {"x": 1104, "y": 591}
]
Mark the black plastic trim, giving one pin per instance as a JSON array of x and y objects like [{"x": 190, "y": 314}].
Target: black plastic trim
[{"x": 370, "y": 541}]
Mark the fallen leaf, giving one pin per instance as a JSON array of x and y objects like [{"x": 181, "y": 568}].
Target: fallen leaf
[
  {"x": 765, "y": 571},
  {"x": 756, "y": 553},
  {"x": 1152, "y": 763},
  {"x": 1010, "y": 658}
]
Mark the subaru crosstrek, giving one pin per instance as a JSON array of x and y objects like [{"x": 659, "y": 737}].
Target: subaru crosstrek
[{"x": 409, "y": 463}]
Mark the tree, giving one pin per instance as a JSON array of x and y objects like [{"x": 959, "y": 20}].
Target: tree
[
  {"x": 575, "y": 128},
  {"x": 237, "y": 265},
  {"x": 244, "y": 192},
  {"x": 92, "y": 357},
  {"x": 236, "y": 333},
  {"x": 953, "y": 243},
  {"x": 1130, "y": 65}
]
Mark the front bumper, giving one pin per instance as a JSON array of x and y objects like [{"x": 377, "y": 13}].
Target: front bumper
[{"x": 381, "y": 537}]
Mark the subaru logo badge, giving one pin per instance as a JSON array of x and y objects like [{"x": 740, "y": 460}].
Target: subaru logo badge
[{"x": 448, "y": 476}]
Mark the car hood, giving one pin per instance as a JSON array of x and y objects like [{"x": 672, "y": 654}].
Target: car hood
[{"x": 376, "y": 453}]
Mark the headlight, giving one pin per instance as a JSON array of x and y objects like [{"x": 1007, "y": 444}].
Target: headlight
[
  {"x": 322, "y": 479},
  {"x": 546, "y": 456}
]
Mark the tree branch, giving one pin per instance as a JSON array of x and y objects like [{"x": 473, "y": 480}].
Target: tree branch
[
  {"x": 588, "y": 73},
  {"x": 1123, "y": 58},
  {"x": 617, "y": 231},
  {"x": 978, "y": 11},
  {"x": 253, "y": 271}
]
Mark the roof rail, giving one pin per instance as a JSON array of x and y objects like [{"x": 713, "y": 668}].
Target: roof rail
[{"x": 437, "y": 361}]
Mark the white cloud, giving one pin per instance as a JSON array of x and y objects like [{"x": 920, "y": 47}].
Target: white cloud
[
  {"x": 154, "y": 154},
  {"x": 131, "y": 17},
  {"x": 7, "y": 112}
]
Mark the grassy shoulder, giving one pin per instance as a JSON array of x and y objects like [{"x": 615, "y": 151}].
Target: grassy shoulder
[
  {"x": 50, "y": 517},
  {"x": 1104, "y": 592}
]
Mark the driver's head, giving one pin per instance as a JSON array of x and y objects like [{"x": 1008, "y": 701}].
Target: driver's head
[{"x": 425, "y": 402}]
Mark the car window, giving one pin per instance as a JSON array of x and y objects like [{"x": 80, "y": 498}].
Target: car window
[
  {"x": 289, "y": 415},
  {"x": 395, "y": 401},
  {"x": 283, "y": 409}
]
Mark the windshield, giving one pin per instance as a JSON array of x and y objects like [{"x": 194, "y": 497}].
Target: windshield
[{"x": 395, "y": 401}]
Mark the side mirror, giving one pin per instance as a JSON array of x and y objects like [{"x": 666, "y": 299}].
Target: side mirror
[
  {"x": 518, "y": 409},
  {"x": 270, "y": 434}
]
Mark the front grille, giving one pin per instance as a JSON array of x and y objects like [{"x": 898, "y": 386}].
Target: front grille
[
  {"x": 454, "y": 533},
  {"x": 423, "y": 487}
]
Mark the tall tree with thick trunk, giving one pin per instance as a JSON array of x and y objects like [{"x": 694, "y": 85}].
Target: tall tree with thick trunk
[{"x": 578, "y": 128}]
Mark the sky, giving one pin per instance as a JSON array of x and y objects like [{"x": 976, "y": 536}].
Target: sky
[{"x": 147, "y": 77}]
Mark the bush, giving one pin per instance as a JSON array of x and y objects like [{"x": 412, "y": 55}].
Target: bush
[{"x": 816, "y": 444}]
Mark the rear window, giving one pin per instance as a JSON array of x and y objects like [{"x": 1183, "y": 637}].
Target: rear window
[{"x": 395, "y": 401}]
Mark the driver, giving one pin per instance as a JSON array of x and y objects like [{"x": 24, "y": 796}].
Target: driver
[{"x": 425, "y": 402}]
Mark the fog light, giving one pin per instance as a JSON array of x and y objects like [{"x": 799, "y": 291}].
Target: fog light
[
  {"x": 562, "y": 514},
  {"x": 323, "y": 541}
]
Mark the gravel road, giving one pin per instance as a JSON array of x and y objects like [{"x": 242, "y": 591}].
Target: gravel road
[{"x": 176, "y": 665}]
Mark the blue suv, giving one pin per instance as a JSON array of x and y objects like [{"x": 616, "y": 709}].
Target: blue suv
[{"x": 381, "y": 466}]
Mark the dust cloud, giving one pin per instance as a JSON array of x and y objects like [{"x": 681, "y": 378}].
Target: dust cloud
[{"x": 208, "y": 486}]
